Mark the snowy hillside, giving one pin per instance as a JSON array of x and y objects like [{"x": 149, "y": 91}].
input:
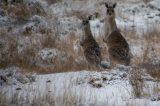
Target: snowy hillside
[
  {"x": 85, "y": 89},
  {"x": 42, "y": 62}
]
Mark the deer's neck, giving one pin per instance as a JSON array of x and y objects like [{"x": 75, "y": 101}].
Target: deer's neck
[
  {"x": 87, "y": 32},
  {"x": 112, "y": 26},
  {"x": 87, "y": 35}
]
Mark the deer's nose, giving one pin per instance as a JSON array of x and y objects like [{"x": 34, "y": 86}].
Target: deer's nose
[{"x": 110, "y": 13}]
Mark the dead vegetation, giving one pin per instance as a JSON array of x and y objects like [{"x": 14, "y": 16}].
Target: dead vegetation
[
  {"x": 151, "y": 57},
  {"x": 136, "y": 80},
  {"x": 49, "y": 97},
  {"x": 53, "y": 1},
  {"x": 27, "y": 57},
  {"x": 75, "y": 60},
  {"x": 21, "y": 10}
]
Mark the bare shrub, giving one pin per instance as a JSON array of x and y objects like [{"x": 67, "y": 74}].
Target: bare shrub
[
  {"x": 149, "y": 54},
  {"x": 22, "y": 11},
  {"x": 26, "y": 58},
  {"x": 151, "y": 57},
  {"x": 135, "y": 78},
  {"x": 8, "y": 49},
  {"x": 49, "y": 41},
  {"x": 19, "y": 11},
  {"x": 146, "y": 1},
  {"x": 74, "y": 62},
  {"x": 53, "y": 1}
]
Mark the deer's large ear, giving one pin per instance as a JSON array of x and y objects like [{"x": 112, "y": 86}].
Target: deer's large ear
[
  {"x": 106, "y": 4},
  {"x": 114, "y": 5},
  {"x": 90, "y": 17},
  {"x": 97, "y": 14}
]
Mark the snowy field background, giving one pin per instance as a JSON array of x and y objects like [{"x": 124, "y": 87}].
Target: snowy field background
[{"x": 42, "y": 63}]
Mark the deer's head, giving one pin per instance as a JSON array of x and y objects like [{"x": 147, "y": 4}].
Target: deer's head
[{"x": 110, "y": 12}]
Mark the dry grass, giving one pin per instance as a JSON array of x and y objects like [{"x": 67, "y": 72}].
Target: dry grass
[
  {"x": 27, "y": 57},
  {"x": 49, "y": 97},
  {"x": 52, "y": 96},
  {"x": 148, "y": 56},
  {"x": 147, "y": 1},
  {"x": 22, "y": 11},
  {"x": 151, "y": 54},
  {"x": 75, "y": 59},
  {"x": 12, "y": 57},
  {"x": 135, "y": 77},
  {"x": 53, "y": 1},
  {"x": 7, "y": 46}
]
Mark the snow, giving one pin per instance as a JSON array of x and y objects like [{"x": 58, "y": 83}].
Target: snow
[{"x": 114, "y": 88}]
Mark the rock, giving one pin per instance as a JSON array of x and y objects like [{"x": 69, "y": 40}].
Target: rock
[
  {"x": 13, "y": 76},
  {"x": 123, "y": 75},
  {"x": 31, "y": 77},
  {"x": 66, "y": 25},
  {"x": 123, "y": 67},
  {"x": 22, "y": 79},
  {"x": 4, "y": 79},
  {"x": 48, "y": 81},
  {"x": 155, "y": 98},
  {"x": 104, "y": 78},
  {"x": 154, "y": 4},
  {"x": 36, "y": 24},
  {"x": 35, "y": 6},
  {"x": 96, "y": 80},
  {"x": 18, "y": 89},
  {"x": 2, "y": 13},
  {"x": 82, "y": 80},
  {"x": 5, "y": 21},
  {"x": 48, "y": 57}
]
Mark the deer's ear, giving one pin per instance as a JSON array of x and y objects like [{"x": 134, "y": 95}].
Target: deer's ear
[
  {"x": 106, "y": 4},
  {"x": 114, "y": 5},
  {"x": 97, "y": 14},
  {"x": 90, "y": 17}
]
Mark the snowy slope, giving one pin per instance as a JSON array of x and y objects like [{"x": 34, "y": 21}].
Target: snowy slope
[{"x": 89, "y": 88}]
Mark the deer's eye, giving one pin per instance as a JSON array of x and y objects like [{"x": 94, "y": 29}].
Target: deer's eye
[{"x": 85, "y": 22}]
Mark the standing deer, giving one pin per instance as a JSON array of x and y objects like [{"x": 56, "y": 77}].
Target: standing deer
[
  {"x": 118, "y": 48},
  {"x": 90, "y": 47}
]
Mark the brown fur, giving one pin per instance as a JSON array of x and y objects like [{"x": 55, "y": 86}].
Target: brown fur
[
  {"x": 118, "y": 48},
  {"x": 90, "y": 47}
]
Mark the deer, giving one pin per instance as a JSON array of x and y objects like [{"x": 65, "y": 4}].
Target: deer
[
  {"x": 118, "y": 48},
  {"x": 91, "y": 49}
]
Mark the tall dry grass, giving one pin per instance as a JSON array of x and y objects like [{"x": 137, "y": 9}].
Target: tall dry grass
[
  {"x": 26, "y": 58},
  {"x": 21, "y": 10},
  {"x": 136, "y": 80}
]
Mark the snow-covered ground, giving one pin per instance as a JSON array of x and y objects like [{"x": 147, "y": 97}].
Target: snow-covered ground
[{"x": 106, "y": 88}]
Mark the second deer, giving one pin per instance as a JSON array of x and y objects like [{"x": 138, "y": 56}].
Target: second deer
[
  {"x": 118, "y": 48},
  {"x": 90, "y": 47}
]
